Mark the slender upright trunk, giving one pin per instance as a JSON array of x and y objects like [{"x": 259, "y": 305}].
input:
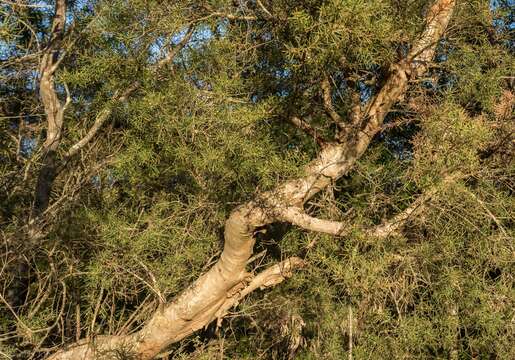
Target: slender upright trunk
[{"x": 54, "y": 111}]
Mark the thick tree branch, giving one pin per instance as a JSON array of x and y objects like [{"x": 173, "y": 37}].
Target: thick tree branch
[
  {"x": 272, "y": 276},
  {"x": 392, "y": 226},
  {"x": 355, "y": 111},
  {"x": 49, "y": 60},
  {"x": 201, "y": 302},
  {"x": 413, "y": 66},
  {"x": 55, "y": 110}
]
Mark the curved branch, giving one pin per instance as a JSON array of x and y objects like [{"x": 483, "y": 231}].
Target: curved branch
[
  {"x": 104, "y": 114},
  {"x": 395, "y": 224},
  {"x": 52, "y": 166},
  {"x": 328, "y": 103},
  {"x": 176, "y": 49},
  {"x": 297, "y": 216},
  {"x": 201, "y": 302},
  {"x": 54, "y": 110},
  {"x": 272, "y": 276},
  {"x": 264, "y": 9},
  {"x": 47, "y": 67}
]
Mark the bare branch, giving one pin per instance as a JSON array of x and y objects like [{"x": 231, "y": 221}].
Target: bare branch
[
  {"x": 308, "y": 129},
  {"x": 298, "y": 217},
  {"x": 19, "y": 60},
  {"x": 206, "y": 298},
  {"x": 18, "y": 3},
  {"x": 175, "y": 50},
  {"x": 104, "y": 114},
  {"x": 487, "y": 210},
  {"x": 355, "y": 111},
  {"x": 235, "y": 17},
  {"x": 415, "y": 65},
  {"x": 395, "y": 224},
  {"x": 328, "y": 103},
  {"x": 270, "y": 277},
  {"x": 53, "y": 107},
  {"x": 100, "y": 119},
  {"x": 264, "y": 9}
]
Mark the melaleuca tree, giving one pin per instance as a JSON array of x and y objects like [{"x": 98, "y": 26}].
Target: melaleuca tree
[{"x": 162, "y": 161}]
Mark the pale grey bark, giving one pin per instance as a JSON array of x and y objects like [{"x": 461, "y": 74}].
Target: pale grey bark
[
  {"x": 54, "y": 109},
  {"x": 205, "y": 300}
]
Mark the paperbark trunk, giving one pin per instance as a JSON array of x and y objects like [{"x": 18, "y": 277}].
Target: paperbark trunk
[{"x": 205, "y": 300}]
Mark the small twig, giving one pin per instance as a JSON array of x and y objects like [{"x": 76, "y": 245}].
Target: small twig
[
  {"x": 487, "y": 210},
  {"x": 264, "y": 9},
  {"x": 328, "y": 103},
  {"x": 174, "y": 51},
  {"x": 77, "y": 322},
  {"x": 27, "y": 5},
  {"x": 234, "y": 17},
  {"x": 350, "y": 332},
  {"x": 134, "y": 316},
  {"x": 154, "y": 288},
  {"x": 257, "y": 256},
  {"x": 308, "y": 129},
  {"x": 91, "y": 330}
]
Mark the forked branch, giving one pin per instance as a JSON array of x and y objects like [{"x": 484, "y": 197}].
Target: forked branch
[
  {"x": 328, "y": 103},
  {"x": 106, "y": 112},
  {"x": 204, "y": 301},
  {"x": 55, "y": 110},
  {"x": 297, "y": 216},
  {"x": 308, "y": 129}
]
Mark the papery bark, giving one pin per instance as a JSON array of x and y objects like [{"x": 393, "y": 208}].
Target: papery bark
[
  {"x": 54, "y": 110},
  {"x": 201, "y": 303}
]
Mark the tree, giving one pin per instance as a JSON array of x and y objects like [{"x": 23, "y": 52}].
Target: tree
[{"x": 373, "y": 138}]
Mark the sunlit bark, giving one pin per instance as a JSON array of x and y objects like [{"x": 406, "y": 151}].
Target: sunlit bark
[{"x": 207, "y": 298}]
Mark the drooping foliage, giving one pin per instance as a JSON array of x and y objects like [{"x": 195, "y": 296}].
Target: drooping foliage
[{"x": 139, "y": 213}]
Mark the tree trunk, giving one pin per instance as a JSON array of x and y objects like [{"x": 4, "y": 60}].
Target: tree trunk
[
  {"x": 54, "y": 110},
  {"x": 207, "y": 298}
]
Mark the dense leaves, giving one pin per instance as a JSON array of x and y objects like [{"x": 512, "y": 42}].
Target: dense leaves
[{"x": 139, "y": 213}]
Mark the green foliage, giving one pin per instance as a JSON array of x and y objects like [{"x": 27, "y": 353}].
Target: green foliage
[
  {"x": 449, "y": 143},
  {"x": 140, "y": 213},
  {"x": 360, "y": 32}
]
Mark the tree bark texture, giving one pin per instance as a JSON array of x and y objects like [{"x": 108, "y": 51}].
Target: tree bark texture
[
  {"x": 210, "y": 295},
  {"x": 54, "y": 110}
]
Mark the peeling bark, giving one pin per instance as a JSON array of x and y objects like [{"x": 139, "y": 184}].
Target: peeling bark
[
  {"x": 206, "y": 299},
  {"x": 51, "y": 164},
  {"x": 54, "y": 110}
]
